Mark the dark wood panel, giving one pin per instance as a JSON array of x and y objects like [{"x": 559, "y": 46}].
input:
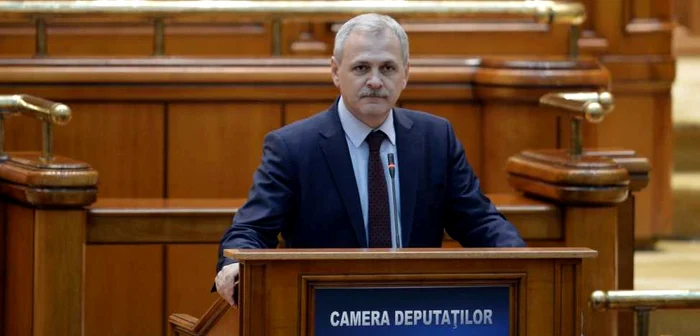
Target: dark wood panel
[
  {"x": 99, "y": 39},
  {"x": 218, "y": 40},
  {"x": 190, "y": 275},
  {"x": 122, "y": 141},
  {"x": 20, "y": 259},
  {"x": 124, "y": 290},
  {"x": 59, "y": 237},
  {"x": 17, "y": 40},
  {"x": 213, "y": 149},
  {"x": 466, "y": 119}
]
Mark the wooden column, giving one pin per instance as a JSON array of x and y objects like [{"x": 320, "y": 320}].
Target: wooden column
[
  {"x": 43, "y": 230},
  {"x": 593, "y": 190}
]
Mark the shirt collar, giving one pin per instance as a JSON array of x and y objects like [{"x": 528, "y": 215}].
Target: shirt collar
[{"x": 357, "y": 131}]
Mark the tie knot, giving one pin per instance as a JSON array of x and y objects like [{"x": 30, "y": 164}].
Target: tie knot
[{"x": 374, "y": 140}]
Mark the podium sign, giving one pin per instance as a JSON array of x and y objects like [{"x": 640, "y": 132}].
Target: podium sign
[{"x": 412, "y": 311}]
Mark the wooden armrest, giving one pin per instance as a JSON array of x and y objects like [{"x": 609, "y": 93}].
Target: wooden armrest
[
  {"x": 189, "y": 325},
  {"x": 183, "y": 324}
]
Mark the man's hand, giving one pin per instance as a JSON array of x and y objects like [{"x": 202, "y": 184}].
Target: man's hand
[{"x": 226, "y": 283}]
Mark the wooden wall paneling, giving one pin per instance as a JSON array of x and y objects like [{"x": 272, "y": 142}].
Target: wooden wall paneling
[
  {"x": 452, "y": 37},
  {"x": 634, "y": 115},
  {"x": 99, "y": 39},
  {"x": 122, "y": 141},
  {"x": 595, "y": 228},
  {"x": 124, "y": 290},
  {"x": 17, "y": 40},
  {"x": 20, "y": 258},
  {"x": 509, "y": 129},
  {"x": 59, "y": 237},
  {"x": 190, "y": 272},
  {"x": 23, "y": 133},
  {"x": 520, "y": 38},
  {"x": 214, "y": 148},
  {"x": 218, "y": 39},
  {"x": 634, "y": 27},
  {"x": 466, "y": 119},
  {"x": 297, "y": 111}
]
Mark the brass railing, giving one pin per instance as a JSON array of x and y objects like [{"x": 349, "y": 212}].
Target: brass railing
[
  {"x": 549, "y": 12},
  {"x": 592, "y": 106},
  {"x": 50, "y": 113},
  {"x": 644, "y": 301}
]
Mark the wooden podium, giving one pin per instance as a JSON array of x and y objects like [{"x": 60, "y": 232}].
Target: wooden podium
[{"x": 517, "y": 291}]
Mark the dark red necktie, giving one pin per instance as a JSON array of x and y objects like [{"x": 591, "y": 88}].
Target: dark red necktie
[{"x": 378, "y": 197}]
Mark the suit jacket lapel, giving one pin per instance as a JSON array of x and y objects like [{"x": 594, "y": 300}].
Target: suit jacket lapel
[
  {"x": 335, "y": 150},
  {"x": 411, "y": 162}
]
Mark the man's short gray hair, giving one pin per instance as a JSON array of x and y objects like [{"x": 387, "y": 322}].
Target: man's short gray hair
[{"x": 371, "y": 23}]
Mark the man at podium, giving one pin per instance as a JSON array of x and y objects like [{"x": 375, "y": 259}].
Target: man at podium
[{"x": 364, "y": 173}]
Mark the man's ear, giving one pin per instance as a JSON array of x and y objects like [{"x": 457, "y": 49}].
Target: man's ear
[
  {"x": 335, "y": 67},
  {"x": 405, "y": 77}
]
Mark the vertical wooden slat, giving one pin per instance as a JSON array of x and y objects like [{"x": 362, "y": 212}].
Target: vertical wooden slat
[
  {"x": 20, "y": 259},
  {"x": 124, "y": 290},
  {"x": 59, "y": 239}
]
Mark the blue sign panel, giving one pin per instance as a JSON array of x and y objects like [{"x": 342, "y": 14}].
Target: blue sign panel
[{"x": 412, "y": 311}]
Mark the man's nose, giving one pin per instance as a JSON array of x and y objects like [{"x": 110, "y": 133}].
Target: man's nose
[{"x": 374, "y": 82}]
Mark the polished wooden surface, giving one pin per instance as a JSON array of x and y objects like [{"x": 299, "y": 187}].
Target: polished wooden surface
[
  {"x": 45, "y": 271},
  {"x": 409, "y": 254},
  {"x": 218, "y": 141},
  {"x": 58, "y": 272},
  {"x": 596, "y": 228},
  {"x": 124, "y": 290},
  {"x": 544, "y": 289},
  {"x": 204, "y": 221},
  {"x": 18, "y": 291}
]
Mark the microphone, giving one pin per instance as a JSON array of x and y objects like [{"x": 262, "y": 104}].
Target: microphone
[{"x": 392, "y": 173}]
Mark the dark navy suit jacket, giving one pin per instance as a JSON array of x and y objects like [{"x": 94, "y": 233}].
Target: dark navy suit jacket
[{"x": 305, "y": 188}]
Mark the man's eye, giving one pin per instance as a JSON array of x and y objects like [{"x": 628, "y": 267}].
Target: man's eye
[
  {"x": 360, "y": 68},
  {"x": 388, "y": 68}
]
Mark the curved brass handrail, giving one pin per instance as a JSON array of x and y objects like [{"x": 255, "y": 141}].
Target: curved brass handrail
[
  {"x": 542, "y": 11},
  {"x": 593, "y": 106},
  {"x": 46, "y": 110},
  {"x": 51, "y": 113}
]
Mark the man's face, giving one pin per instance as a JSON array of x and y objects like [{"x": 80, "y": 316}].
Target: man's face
[{"x": 371, "y": 75}]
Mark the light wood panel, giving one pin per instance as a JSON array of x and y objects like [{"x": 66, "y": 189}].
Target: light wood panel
[
  {"x": 22, "y": 134},
  {"x": 19, "y": 282},
  {"x": 122, "y": 141},
  {"x": 124, "y": 287},
  {"x": 99, "y": 39},
  {"x": 17, "y": 40},
  {"x": 466, "y": 119},
  {"x": 59, "y": 238},
  {"x": 510, "y": 129},
  {"x": 218, "y": 39},
  {"x": 190, "y": 276},
  {"x": 213, "y": 149}
]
